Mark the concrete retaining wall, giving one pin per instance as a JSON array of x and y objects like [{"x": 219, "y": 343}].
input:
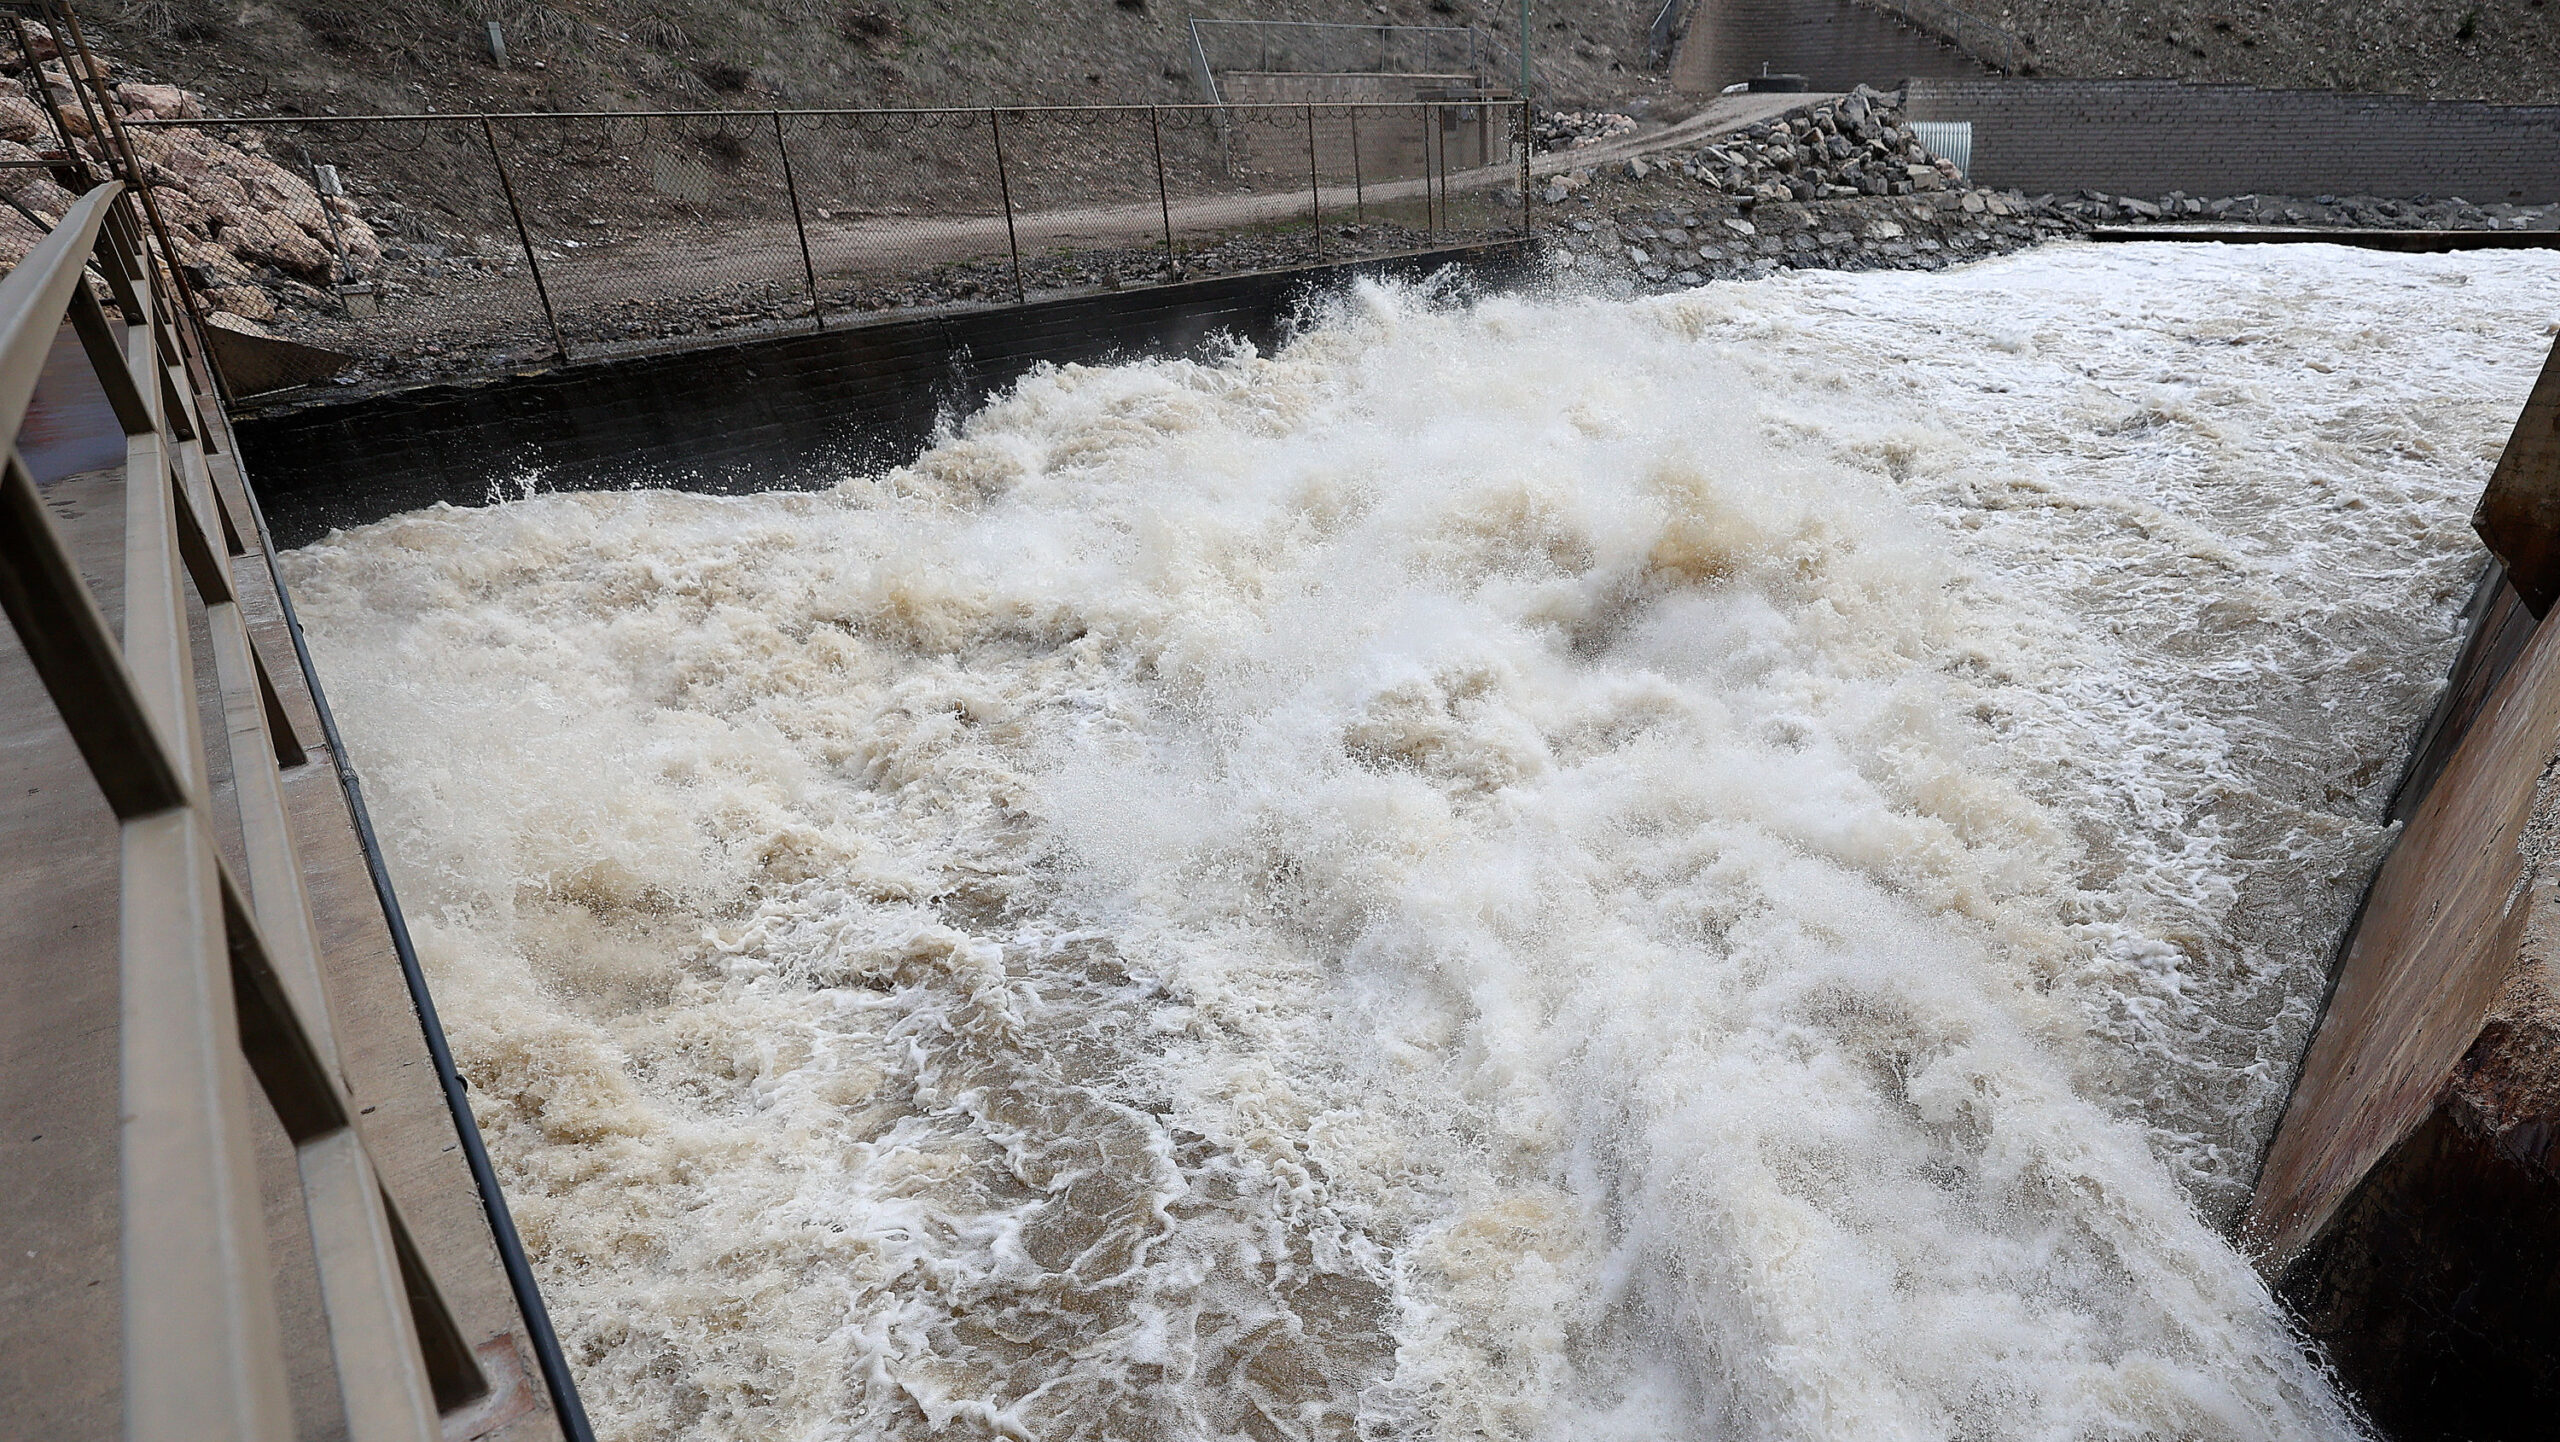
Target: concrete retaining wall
[
  {"x": 2409, "y": 1204},
  {"x": 773, "y": 413},
  {"x": 2149, "y": 137},
  {"x": 1834, "y": 44}
]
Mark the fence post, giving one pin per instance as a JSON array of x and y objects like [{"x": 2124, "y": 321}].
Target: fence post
[
  {"x": 489, "y": 133},
  {"x": 791, "y": 185},
  {"x": 1528, "y": 217},
  {"x": 1164, "y": 197},
  {"x": 1424, "y": 111},
  {"x": 1315, "y": 185},
  {"x": 1440, "y": 132},
  {"x": 1004, "y": 190},
  {"x": 1359, "y": 191}
]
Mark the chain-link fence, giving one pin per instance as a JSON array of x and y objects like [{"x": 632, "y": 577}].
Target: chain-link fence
[
  {"x": 471, "y": 243},
  {"x": 1297, "y": 47}
]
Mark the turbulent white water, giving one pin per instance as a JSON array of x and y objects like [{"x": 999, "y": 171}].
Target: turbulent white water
[{"x": 1738, "y": 866}]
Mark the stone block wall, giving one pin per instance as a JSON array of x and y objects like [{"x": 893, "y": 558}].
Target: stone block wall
[
  {"x": 1834, "y": 44},
  {"x": 2150, "y": 137}
]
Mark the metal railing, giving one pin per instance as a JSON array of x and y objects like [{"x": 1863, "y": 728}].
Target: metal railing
[
  {"x": 503, "y": 239},
  {"x": 1982, "y": 39},
  {"x": 216, "y": 965}
]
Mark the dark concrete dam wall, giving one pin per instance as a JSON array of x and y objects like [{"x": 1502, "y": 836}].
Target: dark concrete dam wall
[
  {"x": 770, "y": 413},
  {"x": 2149, "y": 137},
  {"x": 2409, "y": 1206}
]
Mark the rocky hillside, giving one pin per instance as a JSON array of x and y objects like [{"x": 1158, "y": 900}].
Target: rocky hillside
[
  {"x": 250, "y": 232},
  {"x": 351, "y": 56},
  {"x": 2503, "y": 50}
]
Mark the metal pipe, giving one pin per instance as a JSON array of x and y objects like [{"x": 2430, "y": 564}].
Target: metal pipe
[
  {"x": 34, "y": 80},
  {"x": 489, "y": 132},
  {"x": 1004, "y": 190},
  {"x": 84, "y": 73},
  {"x": 808, "y": 267},
  {"x": 556, "y": 1380}
]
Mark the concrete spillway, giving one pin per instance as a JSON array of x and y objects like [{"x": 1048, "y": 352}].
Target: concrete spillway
[
  {"x": 1389, "y": 807},
  {"x": 1489, "y": 864}
]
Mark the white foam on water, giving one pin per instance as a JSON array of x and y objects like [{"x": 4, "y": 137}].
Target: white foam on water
[{"x": 1748, "y": 865}]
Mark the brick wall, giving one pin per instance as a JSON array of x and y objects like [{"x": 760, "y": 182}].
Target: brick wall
[{"x": 2149, "y": 137}]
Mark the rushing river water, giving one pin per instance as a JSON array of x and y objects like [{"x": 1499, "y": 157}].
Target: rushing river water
[{"x": 1749, "y": 865}]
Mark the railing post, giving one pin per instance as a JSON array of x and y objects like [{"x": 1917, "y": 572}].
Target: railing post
[
  {"x": 1315, "y": 184},
  {"x": 1004, "y": 190},
  {"x": 791, "y": 185},
  {"x": 489, "y": 133},
  {"x": 1164, "y": 196}
]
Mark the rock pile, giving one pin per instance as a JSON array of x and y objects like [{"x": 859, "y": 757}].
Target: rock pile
[
  {"x": 1858, "y": 146},
  {"x": 2361, "y": 212},
  {"x": 1574, "y": 129},
  {"x": 251, "y": 232},
  {"x": 1846, "y": 186},
  {"x": 1631, "y": 242}
]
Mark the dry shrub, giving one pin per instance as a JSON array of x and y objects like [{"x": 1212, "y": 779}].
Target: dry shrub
[
  {"x": 870, "y": 29},
  {"x": 722, "y": 146}
]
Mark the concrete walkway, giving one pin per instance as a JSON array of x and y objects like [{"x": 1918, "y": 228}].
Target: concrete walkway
[
  {"x": 60, "y": 1307},
  {"x": 905, "y": 245}
]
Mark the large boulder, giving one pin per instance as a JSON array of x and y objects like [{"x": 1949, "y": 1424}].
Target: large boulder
[
  {"x": 18, "y": 235},
  {"x": 28, "y": 187},
  {"x": 39, "y": 43},
  {"x": 22, "y": 122},
  {"x": 159, "y": 102},
  {"x": 212, "y": 266},
  {"x": 263, "y": 239}
]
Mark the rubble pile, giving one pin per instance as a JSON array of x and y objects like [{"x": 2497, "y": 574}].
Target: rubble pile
[
  {"x": 252, "y": 233},
  {"x": 1846, "y": 186},
  {"x": 1636, "y": 242},
  {"x": 1574, "y": 129},
  {"x": 1858, "y": 145}
]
